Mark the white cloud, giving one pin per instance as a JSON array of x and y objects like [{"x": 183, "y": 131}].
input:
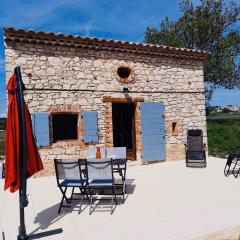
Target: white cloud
[
  {"x": 125, "y": 19},
  {"x": 35, "y": 14},
  {"x": 84, "y": 28}
]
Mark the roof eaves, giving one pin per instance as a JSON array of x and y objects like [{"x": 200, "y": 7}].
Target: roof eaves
[{"x": 119, "y": 45}]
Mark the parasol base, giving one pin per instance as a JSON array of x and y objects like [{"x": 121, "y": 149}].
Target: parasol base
[{"x": 40, "y": 235}]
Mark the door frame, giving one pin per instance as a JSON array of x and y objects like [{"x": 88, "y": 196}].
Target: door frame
[
  {"x": 131, "y": 153},
  {"x": 137, "y": 120}
]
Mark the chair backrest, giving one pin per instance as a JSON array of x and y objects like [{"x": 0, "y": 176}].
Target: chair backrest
[
  {"x": 91, "y": 152},
  {"x": 195, "y": 140},
  {"x": 99, "y": 170},
  {"x": 116, "y": 152},
  {"x": 67, "y": 169}
]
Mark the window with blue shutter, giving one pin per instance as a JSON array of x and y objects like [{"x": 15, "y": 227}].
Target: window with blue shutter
[
  {"x": 153, "y": 131},
  {"x": 64, "y": 126},
  {"x": 90, "y": 127},
  {"x": 40, "y": 124}
]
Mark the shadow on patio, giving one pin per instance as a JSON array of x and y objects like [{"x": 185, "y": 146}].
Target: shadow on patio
[{"x": 50, "y": 216}]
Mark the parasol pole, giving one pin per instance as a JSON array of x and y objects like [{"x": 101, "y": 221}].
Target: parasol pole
[{"x": 23, "y": 201}]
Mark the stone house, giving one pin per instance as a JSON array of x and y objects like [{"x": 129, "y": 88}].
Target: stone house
[{"x": 83, "y": 91}]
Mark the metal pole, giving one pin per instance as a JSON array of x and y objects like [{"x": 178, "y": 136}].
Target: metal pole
[{"x": 23, "y": 201}]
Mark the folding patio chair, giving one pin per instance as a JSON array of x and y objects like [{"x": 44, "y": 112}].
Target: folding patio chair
[
  {"x": 69, "y": 175},
  {"x": 232, "y": 163},
  {"x": 99, "y": 178},
  {"x": 115, "y": 153},
  {"x": 236, "y": 169},
  {"x": 120, "y": 184},
  {"x": 119, "y": 157},
  {"x": 195, "y": 149}
]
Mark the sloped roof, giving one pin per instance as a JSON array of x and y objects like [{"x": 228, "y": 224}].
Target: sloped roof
[{"x": 51, "y": 38}]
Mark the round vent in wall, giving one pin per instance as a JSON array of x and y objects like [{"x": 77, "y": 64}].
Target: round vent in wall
[{"x": 124, "y": 73}]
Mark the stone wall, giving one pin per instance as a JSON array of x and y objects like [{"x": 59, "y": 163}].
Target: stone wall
[{"x": 58, "y": 76}]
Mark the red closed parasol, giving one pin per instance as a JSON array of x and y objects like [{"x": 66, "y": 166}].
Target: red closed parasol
[
  {"x": 22, "y": 157},
  {"x": 13, "y": 141}
]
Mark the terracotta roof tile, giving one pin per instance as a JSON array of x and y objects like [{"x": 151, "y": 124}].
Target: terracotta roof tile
[{"x": 11, "y": 34}]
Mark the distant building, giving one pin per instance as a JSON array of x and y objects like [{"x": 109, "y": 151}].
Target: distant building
[
  {"x": 230, "y": 108},
  {"x": 233, "y": 108}
]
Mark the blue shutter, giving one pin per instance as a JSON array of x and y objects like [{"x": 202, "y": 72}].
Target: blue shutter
[
  {"x": 40, "y": 123},
  {"x": 90, "y": 127},
  {"x": 153, "y": 131}
]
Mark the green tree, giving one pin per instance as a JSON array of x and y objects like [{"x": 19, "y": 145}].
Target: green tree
[{"x": 213, "y": 26}]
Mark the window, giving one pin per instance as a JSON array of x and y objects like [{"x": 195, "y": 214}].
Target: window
[
  {"x": 123, "y": 72},
  {"x": 174, "y": 125},
  {"x": 175, "y": 128},
  {"x": 64, "y": 127}
]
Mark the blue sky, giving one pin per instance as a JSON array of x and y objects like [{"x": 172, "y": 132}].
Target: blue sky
[{"x": 123, "y": 19}]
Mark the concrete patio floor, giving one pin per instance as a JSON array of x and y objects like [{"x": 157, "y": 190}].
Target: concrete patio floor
[{"x": 165, "y": 201}]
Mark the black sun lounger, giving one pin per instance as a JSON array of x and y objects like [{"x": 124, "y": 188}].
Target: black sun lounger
[{"x": 195, "y": 149}]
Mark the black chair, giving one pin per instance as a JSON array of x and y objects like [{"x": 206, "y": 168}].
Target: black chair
[
  {"x": 100, "y": 179},
  {"x": 232, "y": 164},
  {"x": 120, "y": 168},
  {"x": 195, "y": 149},
  {"x": 69, "y": 175}
]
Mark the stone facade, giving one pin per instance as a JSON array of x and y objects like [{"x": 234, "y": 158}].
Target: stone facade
[{"x": 75, "y": 79}]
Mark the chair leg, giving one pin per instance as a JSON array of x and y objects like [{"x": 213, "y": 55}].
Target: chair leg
[
  {"x": 236, "y": 175},
  {"x": 64, "y": 194},
  {"x": 114, "y": 192},
  {"x": 123, "y": 195},
  {"x": 87, "y": 197},
  {"x": 81, "y": 191},
  {"x": 63, "y": 197},
  {"x": 112, "y": 205},
  {"x": 72, "y": 194},
  {"x": 226, "y": 171},
  {"x": 91, "y": 196},
  {"x": 80, "y": 209},
  {"x": 84, "y": 193}
]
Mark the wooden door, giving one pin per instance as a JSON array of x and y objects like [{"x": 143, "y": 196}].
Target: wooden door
[{"x": 153, "y": 131}]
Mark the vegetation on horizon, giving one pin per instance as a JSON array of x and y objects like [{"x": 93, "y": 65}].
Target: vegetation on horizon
[
  {"x": 2, "y": 143},
  {"x": 223, "y": 133},
  {"x": 2, "y": 135},
  {"x": 2, "y": 124}
]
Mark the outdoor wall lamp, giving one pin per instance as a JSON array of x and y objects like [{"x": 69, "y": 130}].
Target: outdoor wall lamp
[{"x": 125, "y": 90}]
